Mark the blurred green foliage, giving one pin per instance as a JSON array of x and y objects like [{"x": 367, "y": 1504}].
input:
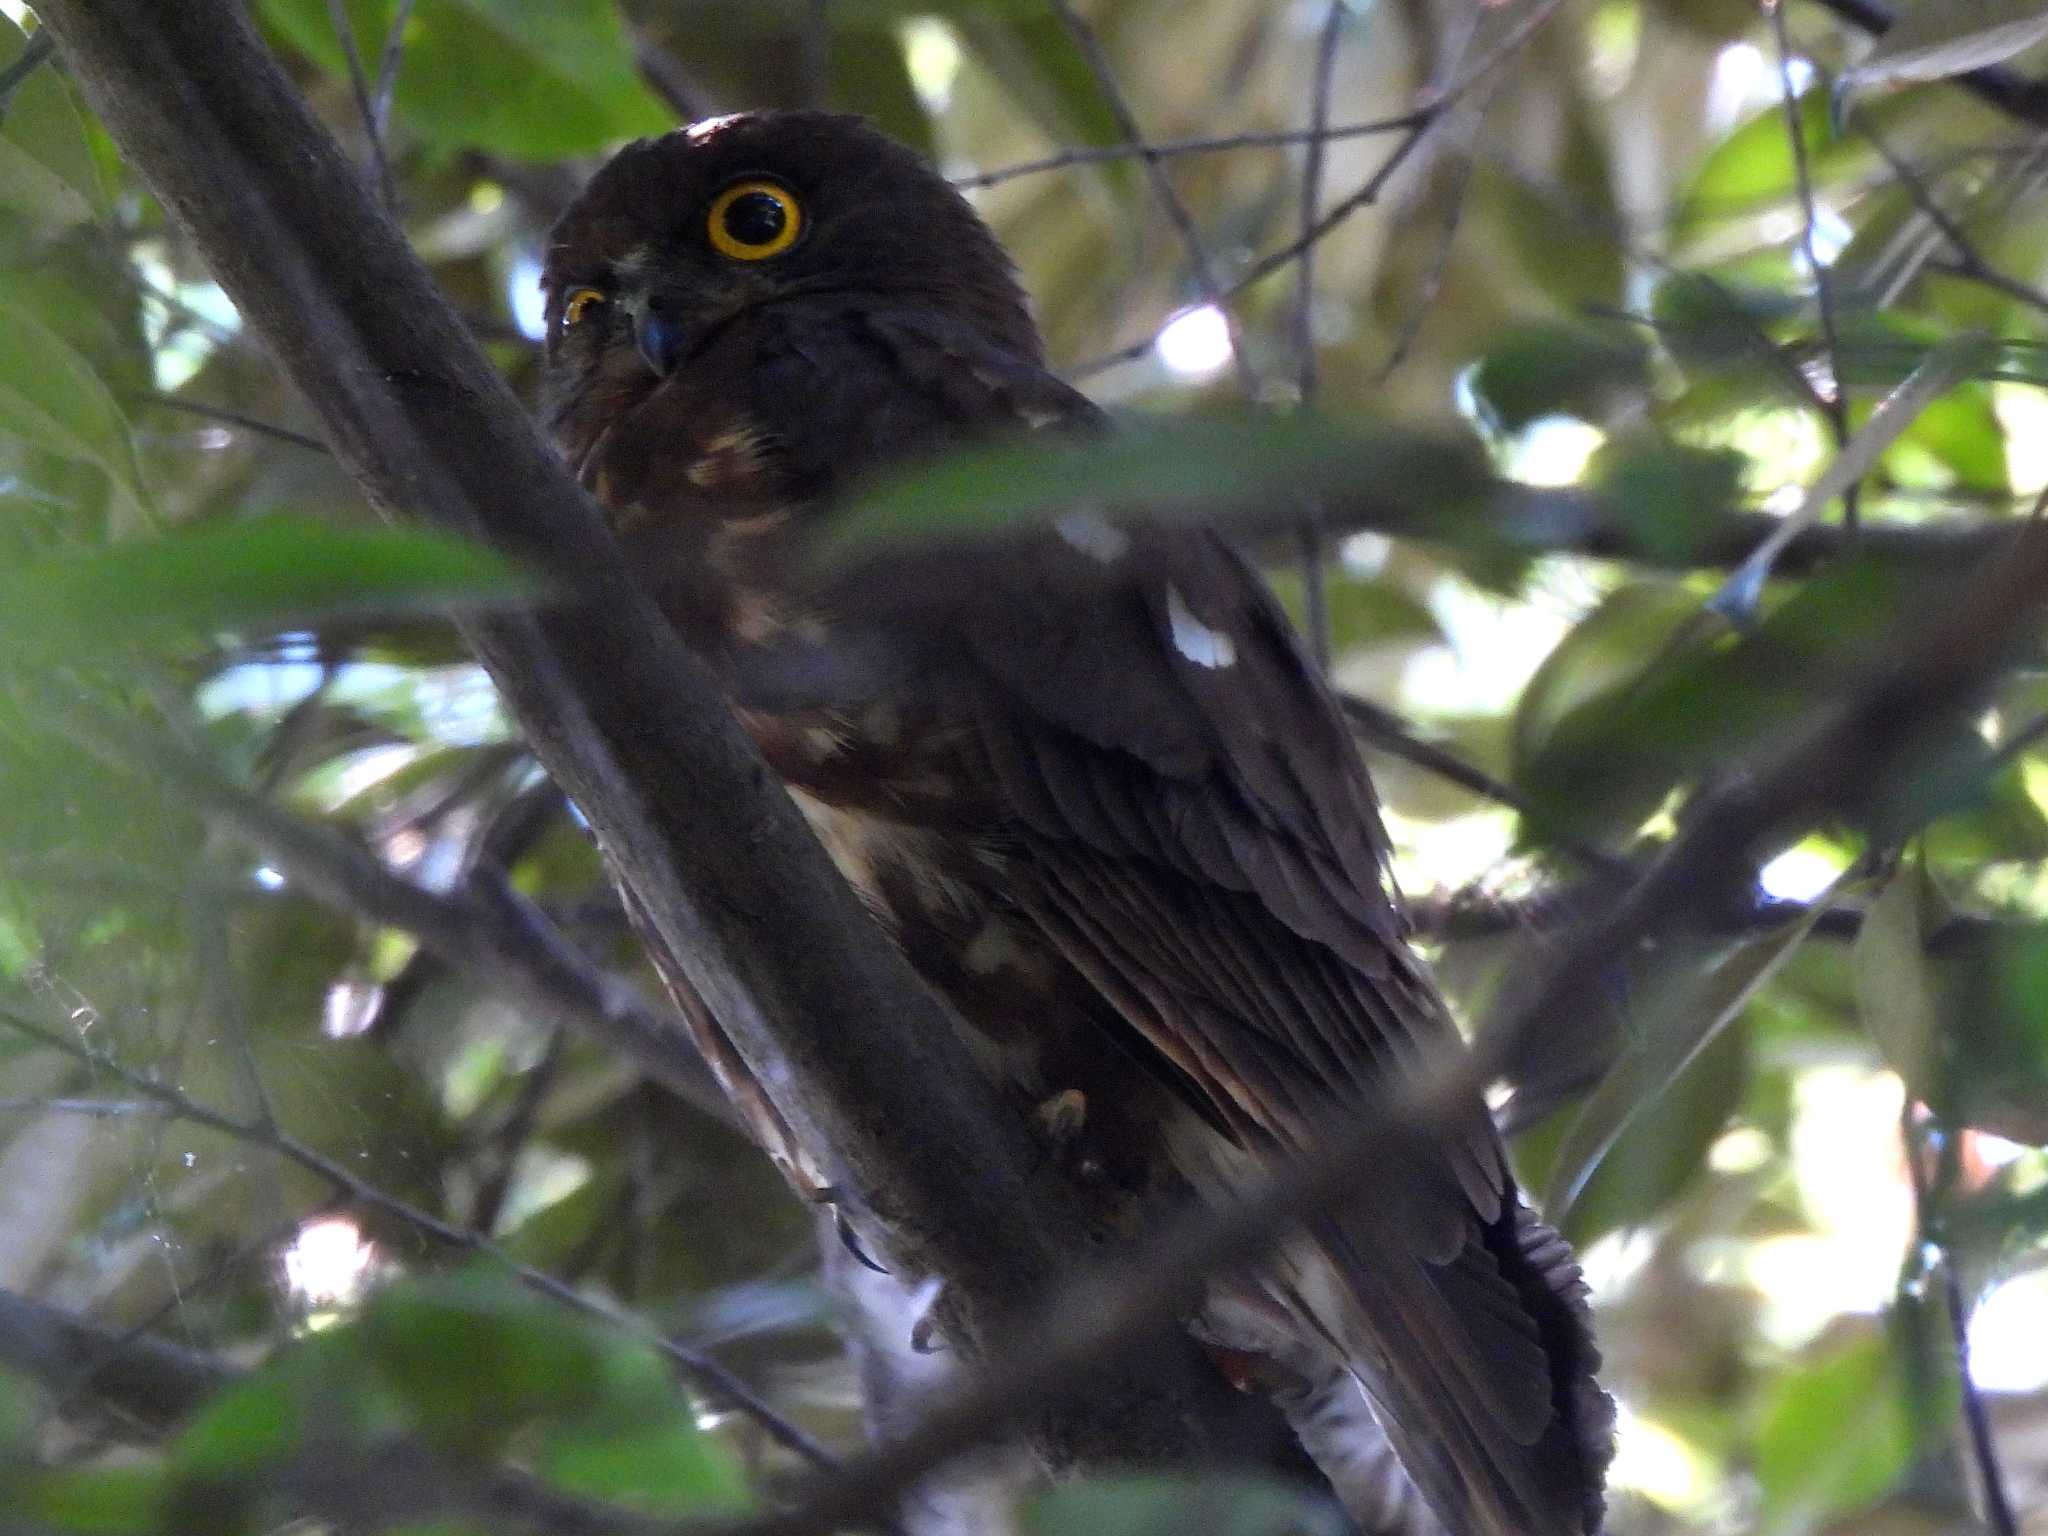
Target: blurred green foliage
[{"x": 1589, "y": 279}]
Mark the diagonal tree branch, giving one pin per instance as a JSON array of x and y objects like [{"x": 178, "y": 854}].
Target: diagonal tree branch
[{"x": 743, "y": 908}]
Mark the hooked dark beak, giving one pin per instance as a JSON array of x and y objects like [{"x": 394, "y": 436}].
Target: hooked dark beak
[{"x": 659, "y": 339}]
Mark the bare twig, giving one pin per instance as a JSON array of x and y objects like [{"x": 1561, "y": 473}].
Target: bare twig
[
  {"x": 387, "y": 77},
  {"x": 23, "y": 65},
  {"x": 1314, "y": 589},
  {"x": 1923, "y": 1134},
  {"x": 1167, "y": 149},
  {"x": 1969, "y": 262},
  {"x": 366, "y": 106},
  {"x": 96, "y": 1109},
  {"x": 1207, "y": 285},
  {"x": 145, "y": 1381},
  {"x": 225, "y": 414},
  {"x": 1835, "y": 398}
]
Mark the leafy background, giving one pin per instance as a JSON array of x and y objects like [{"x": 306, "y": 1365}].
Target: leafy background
[{"x": 256, "y": 1121}]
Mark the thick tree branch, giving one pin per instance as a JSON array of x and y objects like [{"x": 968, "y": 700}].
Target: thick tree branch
[
  {"x": 744, "y": 909},
  {"x": 145, "y": 1382}
]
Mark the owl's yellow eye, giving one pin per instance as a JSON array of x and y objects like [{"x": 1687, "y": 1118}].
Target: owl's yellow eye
[
  {"x": 579, "y": 304},
  {"x": 753, "y": 220}
]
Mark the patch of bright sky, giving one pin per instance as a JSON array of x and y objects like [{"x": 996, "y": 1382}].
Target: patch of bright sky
[
  {"x": 1849, "y": 1168},
  {"x": 2022, "y": 411},
  {"x": 523, "y": 296},
  {"x": 328, "y": 1262},
  {"x": 15, "y": 11},
  {"x": 178, "y": 359},
  {"x": 1659, "y": 1464},
  {"x": 258, "y": 687},
  {"x": 1493, "y": 643},
  {"x": 1801, "y": 872},
  {"x": 1195, "y": 344},
  {"x": 1552, "y": 450},
  {"x": 931, "y": 52},
  {"x": 2009, "y": 1336},
  {"x": 1448, "y": 854}
]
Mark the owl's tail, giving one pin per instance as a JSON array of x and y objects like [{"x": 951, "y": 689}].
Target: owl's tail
[{"x": 1442, "y": 1400}]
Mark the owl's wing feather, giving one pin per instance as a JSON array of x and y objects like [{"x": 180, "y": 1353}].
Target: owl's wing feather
[{"x": 1195, "y": 832}]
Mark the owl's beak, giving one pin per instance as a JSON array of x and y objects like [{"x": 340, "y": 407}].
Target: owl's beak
[{"x": 659, "y": 340}]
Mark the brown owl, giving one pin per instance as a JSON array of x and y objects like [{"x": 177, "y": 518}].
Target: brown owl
[{"x": 1084, "y": 778}]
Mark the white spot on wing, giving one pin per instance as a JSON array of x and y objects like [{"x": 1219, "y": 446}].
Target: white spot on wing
[
  {"x": 1094, "y": 535},
  {"x": 1204, "y": 646}
]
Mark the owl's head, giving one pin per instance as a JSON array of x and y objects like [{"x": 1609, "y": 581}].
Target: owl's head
[{"x": 678, "y": 237}]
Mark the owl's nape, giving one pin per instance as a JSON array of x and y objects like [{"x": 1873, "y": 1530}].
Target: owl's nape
[{"x": 1084, "y": 780}]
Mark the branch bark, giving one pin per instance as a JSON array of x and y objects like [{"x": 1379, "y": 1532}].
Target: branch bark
[{"x": 745, "y": 912}]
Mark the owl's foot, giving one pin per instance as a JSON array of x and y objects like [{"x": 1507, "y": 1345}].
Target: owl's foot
[
  {"x": 1060, "y": 1119},
  {"x": 924, "y": 1331},
  {"x": 830, "y": 1195}
]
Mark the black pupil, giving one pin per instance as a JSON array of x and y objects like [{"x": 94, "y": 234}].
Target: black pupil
[{"x": 755, "y": 218}]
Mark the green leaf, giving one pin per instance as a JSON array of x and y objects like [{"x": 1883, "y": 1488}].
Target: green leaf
[
  {"x": 474, "y": 1357},
  {"x": 1832, "y": 1438},
  {"x": 1185, "y": 469},
  {"x": 1141, "y": 1505},
  {"x": 530, "y": 79},
  {"x": 1938, "y": 38},
  {"x": 1671, "y": 498},
  {"x": 1753, "y": 168},
  {"x": 268, "y": 573},
  {"x": 47, "y": 171},
  {"x": 51, "y": 398},
  {"x": 1363, "y": 611},
  {"x": 97, "y": 1501},
  {"x": 1681, "y": 1022},
  {"x": 251, "y": 1425},
  {"x": 1555, "y": 367},
  {"x": 665, "y": 1467},
  {"x": 1605, "y": 652}
]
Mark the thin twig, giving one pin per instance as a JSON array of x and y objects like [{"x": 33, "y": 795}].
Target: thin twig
[
  {"x": 1920, "y": 1131},
  {"x": 222, "y": 413},
  {"x": 95, "y": 1109},
  {"x": 23, "y": 65},
  {"x": 1207, "y": 285},
  {"x": 1835, "y": 399},
  {"x": 708, "y": 1372},
  {"x": 1969, "y": 262},
  {"x": 1314, "y": 588},
  {"x": 366, "y": 106},
  {"x": 387, "y": 69},
  {"x": 1167, "y": 149}
]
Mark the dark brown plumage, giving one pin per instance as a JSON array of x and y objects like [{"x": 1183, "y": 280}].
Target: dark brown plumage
[{"x": 1084, "y": 779}]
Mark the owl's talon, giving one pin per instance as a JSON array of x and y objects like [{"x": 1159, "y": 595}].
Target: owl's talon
[
  {"x": 924, "y": 1332},
  {"x": 1062, "y": 1115},
  {"x": 830, "y": 1195}
]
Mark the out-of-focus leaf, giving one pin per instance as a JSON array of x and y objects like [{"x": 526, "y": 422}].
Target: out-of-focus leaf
[
  {"x": 1702, "y": 709},
  {"x": 47, "y": 172},
  {"x": 51, "y": 398},
  {"x": 267, "y": 572},
  {"x": 473, "y": 1357},
  {"x": 1990, "y": 1059},
  {"x": 1362, "y": 611},
  {"x": 532, "y": 79},
  {"x": 251, "y": 1424},
  {"x": 1605, "y": 652},
  {"x": 1561, "y": 368},
  {"x": 665, "y": 1466},
  {"x": 868, "y": 73},
  {"x": 1680, "y": 1022},
  {"x": 1833, "y": 1436},
  {"x": 1163, "y": 1506},
  {"x": 1034, "y": 58},
  {"x": 1937, "y": 38},
  {"x": 1753, "y": 168},
  {"x": 92, "y": 1501},
  {"x": 1961, "y": 432},
  {"x": 1668, "y": 496},
  {"x": 1186, "y": 468}
]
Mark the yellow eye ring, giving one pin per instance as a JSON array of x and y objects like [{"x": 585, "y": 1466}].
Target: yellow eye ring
[
  {"x": 753, "y": 220},
  {"x": 579, "y": 303}
]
